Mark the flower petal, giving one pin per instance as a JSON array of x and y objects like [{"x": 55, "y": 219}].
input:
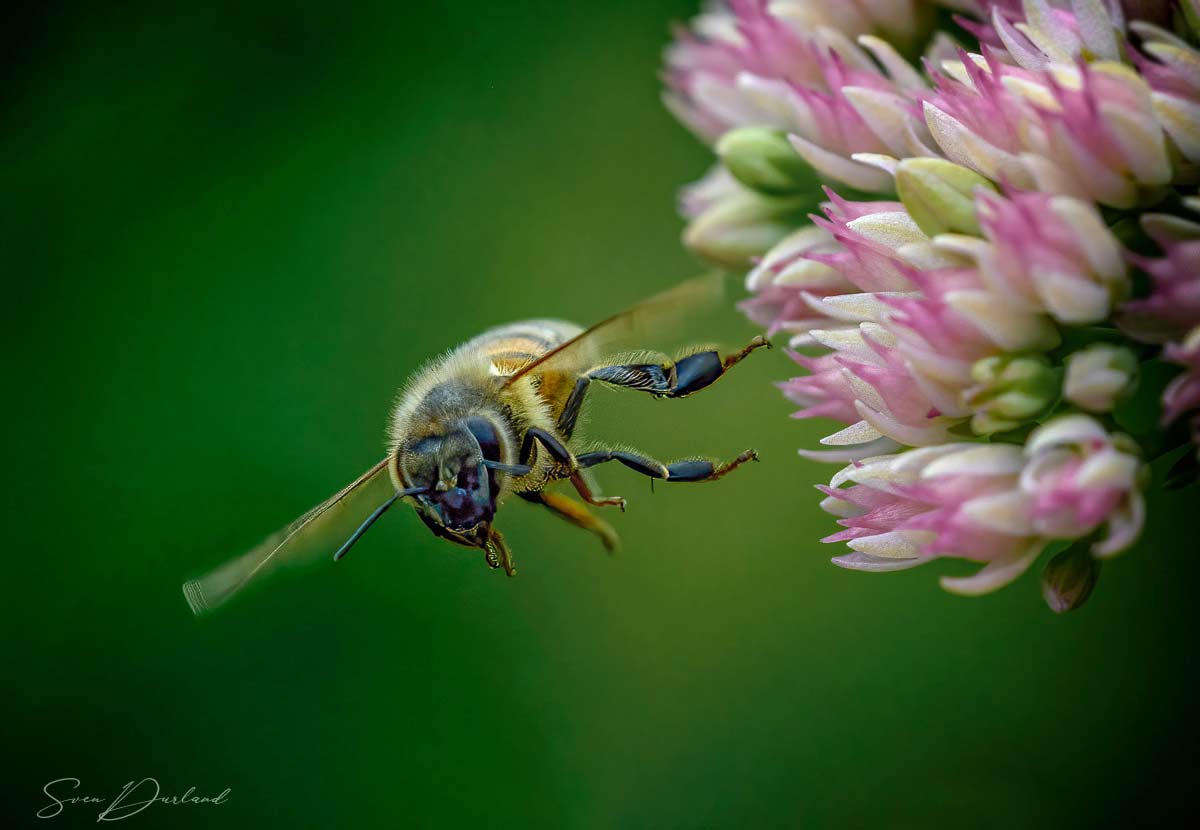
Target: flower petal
[{"x": 994, "y": 575}]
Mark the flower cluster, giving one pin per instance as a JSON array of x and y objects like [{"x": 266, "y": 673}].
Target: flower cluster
[{"x": 1005, "y": 261}]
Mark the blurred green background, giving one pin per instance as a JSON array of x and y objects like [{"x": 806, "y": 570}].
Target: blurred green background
[{"x": 230, "y": 231}]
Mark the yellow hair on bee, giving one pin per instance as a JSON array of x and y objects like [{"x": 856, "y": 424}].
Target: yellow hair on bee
[
  {"x": 641, "y": 356},
  {"x": 461, "y": 375},
  {"x": 696, "y": 348}
]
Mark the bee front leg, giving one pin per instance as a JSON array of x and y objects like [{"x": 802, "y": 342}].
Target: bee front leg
[
  {"x": 578, "y": 515},
  {"x": 497, "y": 553}
]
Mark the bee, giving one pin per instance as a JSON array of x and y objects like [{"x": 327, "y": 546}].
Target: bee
[{"x": 495, "y": 417}]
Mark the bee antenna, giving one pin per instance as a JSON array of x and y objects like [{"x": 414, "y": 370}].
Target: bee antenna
[
  {"x": 511, "y": 469},
  {"x": 374, "y": 517}
]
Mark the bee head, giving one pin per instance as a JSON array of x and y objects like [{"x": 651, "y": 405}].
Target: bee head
[{"x": 459, "y": 488}]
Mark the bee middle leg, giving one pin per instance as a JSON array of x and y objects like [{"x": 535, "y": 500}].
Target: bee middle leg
[
  {"x": 694, "y": 470},
  {"x": 577, "y": 514},
  {"x": 568, "y": 466},
  {"x": 668, "y": 379}
]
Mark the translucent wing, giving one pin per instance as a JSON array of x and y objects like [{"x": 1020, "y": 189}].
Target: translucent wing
[
  {"x": 319, "y": 532},
  {"x": 656, "y": 316}
]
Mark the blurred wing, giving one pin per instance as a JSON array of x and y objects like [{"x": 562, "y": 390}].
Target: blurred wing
[
  {"x": 318, "y": 532},
  {"x": 657, "y": 316}
]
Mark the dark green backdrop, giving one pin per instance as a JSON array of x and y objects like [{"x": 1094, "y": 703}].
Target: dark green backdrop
[{"x": 229, "y": 234}]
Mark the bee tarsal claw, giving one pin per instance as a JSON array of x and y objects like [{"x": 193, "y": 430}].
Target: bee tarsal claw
[{"x": 728, "y": 467}]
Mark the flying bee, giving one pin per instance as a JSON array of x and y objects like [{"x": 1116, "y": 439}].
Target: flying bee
[{"x": 496, "y": 416}]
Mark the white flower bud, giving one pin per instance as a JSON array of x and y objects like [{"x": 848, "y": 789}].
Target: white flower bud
[
  {"x": 940, "y": 195},
  {"x": 1009, "y": 390},
  {"x": 742, "y": 225},
  {"x": 1098, "y": 375}
]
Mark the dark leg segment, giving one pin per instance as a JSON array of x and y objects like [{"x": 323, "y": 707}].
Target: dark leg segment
[
  {"x": 563, "y": 456},
  {"x": 556, "y": 448},
  {"x": 577, "y": 514},
  {"x": 697, "y": 371},
  {"x": 677, "y": 379},
  {"x": 638, "y": 463},
  {"x": 691, "y": 470},
  {"x": 570, "y": 413}
]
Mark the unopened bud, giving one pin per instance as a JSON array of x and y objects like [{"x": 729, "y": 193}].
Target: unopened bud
[
  {"x": 1097, "y": 376},
  {"x": 1069, "y": 578},
  {"x": 741, "y": 226},
  {"x": 763, "y": 159},
  {"x": 1010, "y": 390},
  {"x": 940, "y": 195}
]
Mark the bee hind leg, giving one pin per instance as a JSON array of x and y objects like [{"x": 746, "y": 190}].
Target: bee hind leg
[
  {"x": 577, "y": 514},
  {"x": 669, "y": 379}
]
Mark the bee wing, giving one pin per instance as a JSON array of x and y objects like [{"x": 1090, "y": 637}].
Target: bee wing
[
  {"x": 661, "y": 313},
  {"x": 318, "y": 532}
]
